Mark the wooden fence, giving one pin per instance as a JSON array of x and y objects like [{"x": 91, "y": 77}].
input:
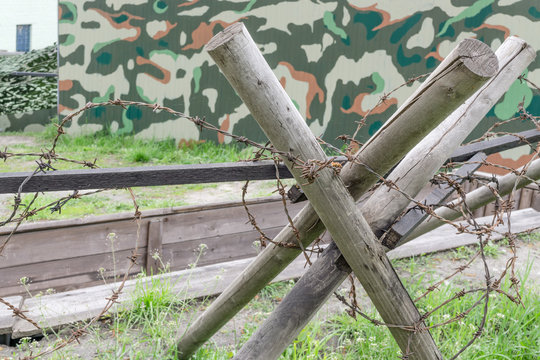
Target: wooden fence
[
  {"x": 50, "y": 261},
  {"x": 68, "y": 254}
]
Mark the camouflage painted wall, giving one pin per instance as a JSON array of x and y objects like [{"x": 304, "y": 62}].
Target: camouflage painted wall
[{"x": 334, "y": 58}]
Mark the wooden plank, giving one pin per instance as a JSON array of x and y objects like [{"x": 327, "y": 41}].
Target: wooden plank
[
  {"x": 461, "y": 154},
  {"x": 61, "y": 309},
  {"x": 61, "y": 273},
  {"x": 98, "y": 219},
  {"x": 219, "y": 248},
  {"x": 535, "y": 201},
  {"x": 216, "y": 222},
  {"x": 74, "y": 242},
  {"x": 495, "y": 145},
  {"x": 6, "y": 315},
  {"x": 516, "y": 199},
  {"x": 59, "y": 258},
  {"x": 115, "y": 178},
  {"x": 154, "y": 248},
  {"x": 438, "y": 196},
  {"x": 489, "y": 209},
  {"x": 52, "y": 242},
  {"x": 446, "y": 236},
  {"x": 56, "y": 310},
  {"x": 526, "y": 198}
]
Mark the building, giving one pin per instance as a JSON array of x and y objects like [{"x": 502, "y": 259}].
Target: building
[{"x": 28, "y": 24}]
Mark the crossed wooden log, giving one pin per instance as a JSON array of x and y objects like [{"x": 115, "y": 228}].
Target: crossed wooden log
[{"x": 358, "y": 234}]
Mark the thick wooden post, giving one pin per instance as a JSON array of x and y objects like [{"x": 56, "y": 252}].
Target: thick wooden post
[
  {"x": 478, "y": 198},
  {"x": 243, "y": 65},
  {"x": 381, "y": 209},
  {"x": 306, "y": 298},
  {"x": 423, "y": 161},
  {"x": 421, "y": 113}
]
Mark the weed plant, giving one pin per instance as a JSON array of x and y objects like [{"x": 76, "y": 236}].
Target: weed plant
[{"x": 147, "y": 327}]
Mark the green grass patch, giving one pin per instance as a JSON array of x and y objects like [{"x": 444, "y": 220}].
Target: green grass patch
[
  {"x": 112, "y": 150},
  {"x": 148, "y": 329},
  {"x": 112, "y": 201},
  {"x": 128, "y": 150}
]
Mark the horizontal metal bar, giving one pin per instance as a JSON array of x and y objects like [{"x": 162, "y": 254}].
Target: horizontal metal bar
[{"x": 36, "y": 74}]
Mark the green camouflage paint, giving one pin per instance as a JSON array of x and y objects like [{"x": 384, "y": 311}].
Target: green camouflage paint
[{"x": 334, "y": 58}]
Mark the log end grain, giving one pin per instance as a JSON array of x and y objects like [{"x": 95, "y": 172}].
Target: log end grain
[
  {"x": 478, "y": 58},
  {"x": 224, "y": 36}
]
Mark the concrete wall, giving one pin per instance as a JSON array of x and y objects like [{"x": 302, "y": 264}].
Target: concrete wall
[{"x": 41, "y": 14}]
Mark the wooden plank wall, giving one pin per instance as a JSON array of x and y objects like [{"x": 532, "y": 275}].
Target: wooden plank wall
[
  {"x": 81, "y": 252},
  {"x": 71, "y": 255}
]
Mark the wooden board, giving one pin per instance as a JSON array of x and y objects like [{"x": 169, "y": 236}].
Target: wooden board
[
  {"x": 60, "y": 309},
  {"x": 446, "y": 237},
  {"x": 154, "y": 246},
  {"x": 78, "y": 305},
  {"x": 436, "y": 197},
  {"x": 59, "y": 274},
  {"x": 67, "y": 254},
  {"x": 495, "y": 145},
  {"x": 73, "y": 253},
  {"x": 7, "y": 320},
  {"x": 115, "y": 178}
]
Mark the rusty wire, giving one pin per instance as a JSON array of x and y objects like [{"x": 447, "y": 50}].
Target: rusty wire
[{"x": 309, "y": 169}]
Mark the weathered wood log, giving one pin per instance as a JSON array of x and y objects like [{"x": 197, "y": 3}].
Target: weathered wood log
[
  {"x": 243, "y": 65},
  {"x": 384, "y": 206},
  {"x": 314, "y": 288},
  {"x": 427, "y": 157},
  {"x": 478, "y": 198},
  {"x": 273, "y": 259}
]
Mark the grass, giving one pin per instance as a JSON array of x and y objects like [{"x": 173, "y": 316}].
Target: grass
[
  {"x": 148, "y": 328},
  {"x": 112, "y": 150},
  {"x": 491, "y": 249}
]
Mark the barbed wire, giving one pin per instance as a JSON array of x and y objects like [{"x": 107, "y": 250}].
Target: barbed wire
[{"x": 309, "y": 169}]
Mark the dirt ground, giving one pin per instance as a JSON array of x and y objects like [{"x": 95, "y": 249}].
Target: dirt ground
[
  {"x": 16, "y": 140},
  {"x": 437, "y": 265}
]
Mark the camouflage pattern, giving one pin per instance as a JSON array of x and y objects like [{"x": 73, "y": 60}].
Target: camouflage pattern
[
  {"x": 334, "y": 58},
  {"x": 27, "y": 103},
  {"x": 31, "y": 121}
]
